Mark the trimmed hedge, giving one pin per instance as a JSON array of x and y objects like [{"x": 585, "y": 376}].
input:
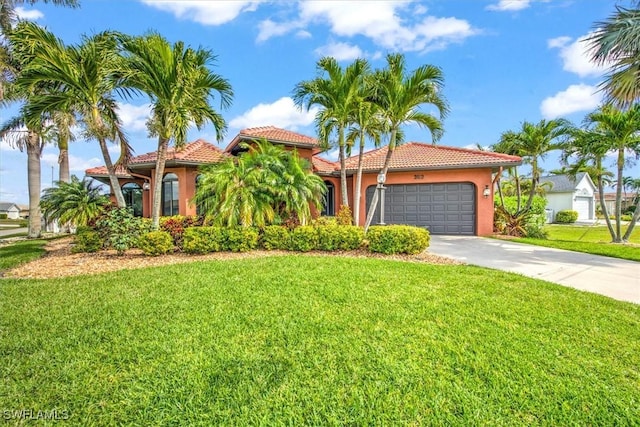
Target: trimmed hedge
[
  {"x": 275, "y": 237},
  {"x": 303, "y": 239},
  {"x": 308, "y": 238},
  {"x": 203, "y": 240},
  {"x": 156, "y": 243},
  {"x": 87, "y": 240},
  {"x": 566, "y": 217},
  {"x": 398, "y": 239},
  {"x": 339, "y": 238}
]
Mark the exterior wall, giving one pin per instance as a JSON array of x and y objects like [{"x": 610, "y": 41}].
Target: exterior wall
[
  {"x": 479, "y": 177},
  {"x": 12, "y": 213},
  {"x": 186, "y": 190},
  {"x": 566, "y": 201},
  {"x": 559, "y": 202}
]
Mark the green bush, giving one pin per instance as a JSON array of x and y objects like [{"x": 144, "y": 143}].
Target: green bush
[
  {"x": 303, "y": 239},
  {"x": 398, "y": 239},
  {"x": 325, "y": 220},
  {"x": 530, "y": 223},
  {"x": 275, "y": 237},
  {"x": 156, "y": 243},
  {"x": 120, "y": 229},
  {"x": 202, "y": 240},
  {"x": 23, "y": 223},
  {"x": 4, "y": 216},
  {"x": 566, "y": 217},
  {"x": 241, "y": 239},
  {"x": 339, "y": 238},
  {"x": 345, "y": 216},
  {"x": 87, "y": 240},
  {"x": 176, "y": 224},
  {"x": 626, "y": 217}
]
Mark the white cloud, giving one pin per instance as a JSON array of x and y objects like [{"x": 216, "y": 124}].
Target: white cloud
[
  {"x": 576, "y": 98},
  {"x": 386, "y": 23},
  {"x": 29, "y": 15},
  {"x": 205, "y": 12},
  {"x": 76, "y": 164},
  {"x": 575, "y": 56},
  {"x": 340, "y": 51},
  {"x": 281, "y": 113},
  {"x": 509, "y": 5},
  {"x": 134, "y": 117}
]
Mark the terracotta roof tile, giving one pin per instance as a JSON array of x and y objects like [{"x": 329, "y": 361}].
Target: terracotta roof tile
[
  {"x": 321, "y": 165},
  {"x": 199, "y": 151},
  {"x": 102, "y": 171},
  {"x": 273, "y": 133},
  {"x": 416, "y": 155}
]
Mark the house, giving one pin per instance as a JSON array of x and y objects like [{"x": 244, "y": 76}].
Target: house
[
  {"x": 627, "y": 200},
  {"x": 10, "y": 209},
  {"x": 446, "y": 189},
  {"x": 568, "y": 193}
]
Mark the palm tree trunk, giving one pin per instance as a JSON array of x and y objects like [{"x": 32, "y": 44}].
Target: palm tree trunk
[
  {"x": 157, "y": 184},
  {"x": 113, "y": 179},
  {"x": 343, "y": 168},
  {"x": 387, "y": 160},
  {"x": 33, "y": 178},
  {"x": 534, "y": 181},
  {"x": 63, "y": 159},
  {"x": 618, "y": 212},
  {"x": 632, "y": 224},
  {"x": 358, "y": 193},
  {"x": 603, "y": 206}
]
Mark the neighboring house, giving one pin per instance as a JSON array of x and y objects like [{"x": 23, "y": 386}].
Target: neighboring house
[
  {"x": 564, "y": 192},
  {"x": 24, "y": 211},
  {"x": 10, "y": 209},
  {"x": 446, "y": 189},
  {"x": 626, "y": 201}
]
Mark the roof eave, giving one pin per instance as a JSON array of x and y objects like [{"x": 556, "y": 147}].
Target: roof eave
[{"x": 492, "y": 166}]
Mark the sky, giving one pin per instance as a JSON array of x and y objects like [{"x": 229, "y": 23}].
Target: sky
[{"x": 504, "y": 62}]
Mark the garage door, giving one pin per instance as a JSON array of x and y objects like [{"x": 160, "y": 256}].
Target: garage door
[
  {"x": 443, "y": 208},
  {"x": 583, "y": 206}
]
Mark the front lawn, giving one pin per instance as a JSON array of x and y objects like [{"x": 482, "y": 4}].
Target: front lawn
[
  {"x": 317, "y": 340},
  {"x": 589, "y": 239},
  {"x": 18, "y": 253}
]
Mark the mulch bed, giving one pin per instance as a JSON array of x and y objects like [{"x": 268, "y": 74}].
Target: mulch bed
[{"x": 60, "y": 262}]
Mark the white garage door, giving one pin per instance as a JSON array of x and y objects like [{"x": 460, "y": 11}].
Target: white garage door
[{"x": 583, "y": 205}]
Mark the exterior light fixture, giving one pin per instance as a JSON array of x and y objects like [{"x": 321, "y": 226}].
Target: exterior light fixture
[
  {"x": 486, "y": 192},
  {"x": 381, "y": 178},
  {"x": 146, "y": 186}
]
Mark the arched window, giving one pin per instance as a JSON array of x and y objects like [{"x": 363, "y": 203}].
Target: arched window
[
  {"x": 170, "y": 194},
  {"x": 132, "y": 193},
  {"x": 329, "y": 201}
]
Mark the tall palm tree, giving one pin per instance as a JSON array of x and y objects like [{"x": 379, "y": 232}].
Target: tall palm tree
[
  {"x": 75, "y": 202},
  {"x": 400, "y": 94},
  {"x": 181, "y": 85},
  {"x": 82, "y": 78},
  {"x": 615, "y": 43},
  {"x": 338, "y": 93},
  {"x": 62, "y": 123},
  {"x": 368, "y": 123},
  {"x": 617, "y": 131}
]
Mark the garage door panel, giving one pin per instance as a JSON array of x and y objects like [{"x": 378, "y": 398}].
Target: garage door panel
[{"x": 444, "y": 208}]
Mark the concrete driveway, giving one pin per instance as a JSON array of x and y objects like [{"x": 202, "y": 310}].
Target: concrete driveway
[{"x": 615, "y": 278}]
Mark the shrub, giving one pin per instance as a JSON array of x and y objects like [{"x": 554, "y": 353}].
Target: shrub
[
  {"x": 275, "y": 237},
  {"x": 530, "y": 223},
  {"x": 241, "y": 239},
  {"x": 626, "y": 217},
  {"x": 303, "y": 239},
  {"x": 342, "y": 237},
  {"x": 566, "y": 217},
  {"x": 345, "y": 216},
  {"x": 120, "y": 229},
  {"x": 325, "y": 220},
  {"x": 156, "y": 243},
  {"x": 4, "y": 216},
  {"x": 397, "y": 239},
  {"x": 202, "y": 240},
  {"x": 175, "y": 226},
  {"x": 23, "y": 223},
  {"x": 87, "y": 240}
]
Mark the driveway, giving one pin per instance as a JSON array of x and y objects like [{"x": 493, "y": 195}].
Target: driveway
[
  {"x": 615, "y": 278},
  {"x": 10, "y": 231}
]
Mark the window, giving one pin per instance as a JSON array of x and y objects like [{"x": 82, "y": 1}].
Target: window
[
  {"x": 132, "y": 193},
  {"x": 328, "y": 201},
  {"x": 170, "y": 195}
]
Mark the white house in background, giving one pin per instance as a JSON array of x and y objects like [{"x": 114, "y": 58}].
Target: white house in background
[
  {"x": 566, "y": 193},
  {"x": 11, "y": 209}
]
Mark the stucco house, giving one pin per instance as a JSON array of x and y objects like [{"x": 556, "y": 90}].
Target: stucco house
[
  {"x": 567, "y": 193},
  {"x": 10, "y": 209},
  {"x": 446, "y": 189}
]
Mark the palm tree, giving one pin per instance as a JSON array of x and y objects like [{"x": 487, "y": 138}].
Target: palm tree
[
  {"x": 615, "y": 43},
  {"x": 338, "y": 93},
  {"x": 28, "y": 135},
  {"x": 75, "y": 202},
  {"x": 367, "y": 123},
  {"x": 264, "y": 185},
  {"x": 180, "y": 84},
  {"x": 400, "y": 94},
  {"x": 80, "y": 78},
  {"x": 617, "y": 130}
]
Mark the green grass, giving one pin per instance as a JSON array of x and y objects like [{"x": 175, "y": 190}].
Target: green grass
[
  {"x": 295, "y": 340},
  {"x": 20, "y": 252},
  {"x": 589, "y": 239}
]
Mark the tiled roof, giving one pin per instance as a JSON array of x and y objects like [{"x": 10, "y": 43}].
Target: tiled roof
[
  {"x": 416, "y": 155},
  {"x": 321, "y": 165},
  {"x": 274, "y": 134},
  {"x": 199, "y": 151},
  {"x": 102, "y": 171}
]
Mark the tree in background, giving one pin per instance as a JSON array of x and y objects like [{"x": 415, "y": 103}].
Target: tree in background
[
  {"x": 180, "y": 85},
  {"x": 338, "y": 93}
]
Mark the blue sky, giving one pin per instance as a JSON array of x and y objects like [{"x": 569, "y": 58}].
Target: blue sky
[{"x": 504, "y": 61}]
